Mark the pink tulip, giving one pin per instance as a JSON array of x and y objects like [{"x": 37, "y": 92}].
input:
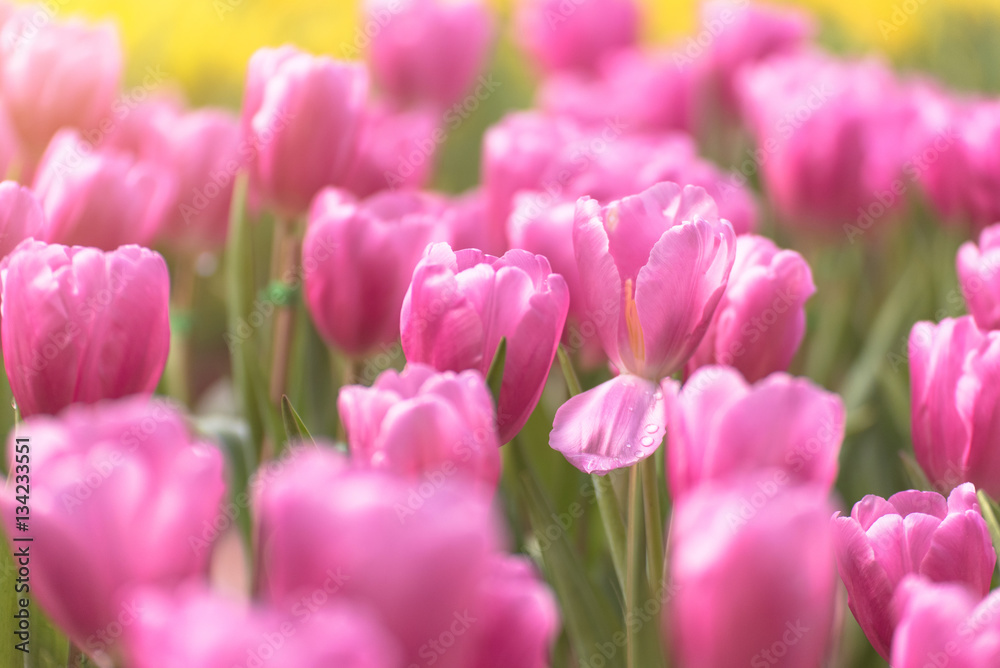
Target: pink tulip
[
  {"x": 20, "y": 216},
  {"x": 118, "y": 491},
  {"x": 101, "y": 197},
  {"x": 200, "y": 629},
  {"x": 753, "y": 577},
  {"x": 954, "y": 387},
  {"x": 11, "y": 158},
  {"x": 742, "y": 34},
  {"x": 204, "y": 157},
  {"x": 460, "y": 304},
  {"x": 80, "y": 325},
  {"x": 560, "y": 35},
  {"x": 428, "y": 51},
  {"x": 957, "y": 170},
  {"x": 358, "y": 258},
  {"x": 761, "y": 318},
  {"x": 644, "y": 92},
  {"x": 979, "y": 276},
  {"x": 720, "y": 426},
  {"x": 626, "y": 252},
  {"x": 414, "y": 555},
  {"x": 833, "y": 140},
  {"x": 57, "y": 74},
  {"x": 467, "y": 220},
  {"x": 521, "y": 152},
  {"x": 945, "y": 625},
  {"x": 424, "y": 424},
  {"x": 301, "y": 119},
  {"x": 395, "y": 150},
  {"x": 913, "y": 532}
]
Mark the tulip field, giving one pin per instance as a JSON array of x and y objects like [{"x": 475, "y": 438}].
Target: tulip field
[{"x": 521, "y": 334}]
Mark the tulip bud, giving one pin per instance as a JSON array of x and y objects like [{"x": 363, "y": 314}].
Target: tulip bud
[
  {"x": 81, "y": 325},
  {"x": 395, "y": 150},
  {"x": 460, "y": 304},
  {"x": 735, "y": 547},
  {"x": 429, "y": 51},
  {"x": 301, "y": 117},
  {"x": 20, "y": 216},
  {"x": 424, "y": 424},
  {"x": 357, "y": 260},
  {"x": 564, "y": 36},
  {"x": 101, "y": 197},
  {"x": 954, "y": 388},
  {"x": 120, "y": 497},
  {"x": 59, "y": 74},
  {"x": 979, "y": 276},
  {"x": 720, "y": 426},
  {"x": 911, "y": 532},
  {"x": 761, "y": 318}
]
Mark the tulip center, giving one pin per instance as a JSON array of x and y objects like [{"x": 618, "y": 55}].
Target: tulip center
[{"x": 635, "y": 335}]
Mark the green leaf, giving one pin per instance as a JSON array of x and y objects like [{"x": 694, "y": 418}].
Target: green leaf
[
  {"x": 614, "y": 525},
  {"x": 494, "y": 377},
  {"x": 569, "y": 373},
  {"x": 990, "y": 510},
  {"x": 914, "y": 473},
  {"x": 295, "y": 428}
]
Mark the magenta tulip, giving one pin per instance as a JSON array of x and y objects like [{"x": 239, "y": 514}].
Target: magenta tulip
[
  {"x": 416, "y": 556},
  {"x": 753, "y": 577},
  {"x": 954, "y": 388},
  {"x": 358, "y": 258},
  {"x": 80, "y": 325},
  {"x": 911, "y": 532},
  {"x": 761, "y": 318},
  {"x": 979, "y": 276},
  {"x": 833, "y": 140},
  {"x": 20, "y": 216},
  {"x": 395, "y": 150},
  {"x": 101, "y": 197},
  {"x": 126, "y": 472},
  {"x": 460, "y": 304},
  {"x": 429, "y": 51},
  {"x": 945, "y": 625},
  {"x": 57, "y": 74},
  {"x": 424, "y": 424},
  {"x": 785, "y": 428},
  {"x": 301, "y": 118},
  {"x": 576, "y": 36},
  {"x": 200, "y": 629},
  {"x": 626, "y": 252}
]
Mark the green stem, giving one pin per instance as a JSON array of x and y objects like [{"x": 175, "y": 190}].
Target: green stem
[
  {"x": 654, "y": 524},
  {"x": 634, "y": 570},
  {"x": 181, "y": 301},
  {"x": 614, "y": 527}
]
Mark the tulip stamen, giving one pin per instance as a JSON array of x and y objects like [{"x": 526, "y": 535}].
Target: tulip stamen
[{"x": 636, "y": 339}]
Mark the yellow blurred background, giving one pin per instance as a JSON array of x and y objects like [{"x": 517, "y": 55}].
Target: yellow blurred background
[{"x": 204, "y": 44}]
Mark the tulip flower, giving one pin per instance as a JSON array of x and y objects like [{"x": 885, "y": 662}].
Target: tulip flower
[
  {"x": 10, "y": 147},
  {"x": 196, "y": 628},
  {"x": 301, "y": 118},
  {"x": 752, "y": 577},
  {"x": 101, "y": 197},
  {"x": 467, "y": 221},
  {"x": 57, "y": 74},
  {"x": 119, "y": 491},
  {"x": 644, "y": 92},
  {"x": 421, "y": 558},
  {"x": 945, "y": 625},
  {"x": 565, "y": 36},
  {"x": 954, "y": 382},
  {"x": 80, "y": 325},
  {"x": 720, "y": 426},
  {"x": 761, "y": 318},
  {"x": 979, "y": 276},
  {"x": 626, "y": 252},
  {"x": 833, "y": 139},
  {"x": 20, "y": 216},
  {"x": 460, "y": 304},
  {"x": 910, "y": 533},
  {"x": 358, "y": 258},
  {"x": 429, "y": 51},
  {"x": 421, "y": 422},
  {"x": 395, "y": 150}
]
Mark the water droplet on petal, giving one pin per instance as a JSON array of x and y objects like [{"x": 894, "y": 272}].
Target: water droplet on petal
[
  {"x": 647, "y": 441},
  {"x": 651, "y": 428}
]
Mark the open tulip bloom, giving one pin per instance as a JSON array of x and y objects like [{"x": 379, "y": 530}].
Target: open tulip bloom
[{"x": 746, "y": 290}]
